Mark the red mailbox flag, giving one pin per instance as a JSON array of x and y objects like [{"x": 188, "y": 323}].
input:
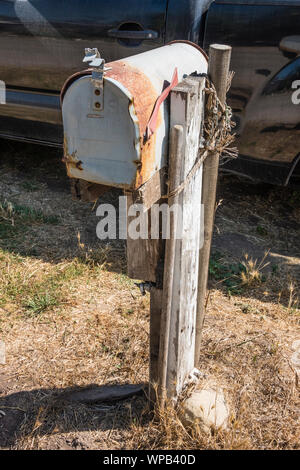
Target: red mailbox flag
[{"x": 153, "y": 120}]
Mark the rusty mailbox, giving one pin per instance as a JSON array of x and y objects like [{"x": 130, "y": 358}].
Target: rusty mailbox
[{"x": 116, "y": 116}]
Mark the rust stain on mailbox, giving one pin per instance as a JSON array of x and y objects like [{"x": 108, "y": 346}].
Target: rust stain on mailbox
[
  {"x": 140, "y": 107},
  {"x": 70, "y": 160},
  {"x": 105, "y": 122}
]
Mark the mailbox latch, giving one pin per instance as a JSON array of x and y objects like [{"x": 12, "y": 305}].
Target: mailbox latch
[{"x": 97, "y": 64}]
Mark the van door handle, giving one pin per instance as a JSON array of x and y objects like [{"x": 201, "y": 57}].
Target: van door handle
[
  {"x": 138, "y": 35},
  {"x": 290, "y": 44}
]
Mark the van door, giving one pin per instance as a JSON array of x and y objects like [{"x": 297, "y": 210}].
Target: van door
[
  {"x": 42, "y": 42},
  {"x": 266, "y": 62}
]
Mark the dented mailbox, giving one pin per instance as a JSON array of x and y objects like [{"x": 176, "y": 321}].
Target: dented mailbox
[{"x": 116, "y": 116}]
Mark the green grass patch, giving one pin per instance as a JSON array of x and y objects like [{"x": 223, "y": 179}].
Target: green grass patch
[
  {"x": 29, "y": 215},
  {"x": 7, "y": 230},
  {"x": 229, "y": 275},
  {"x": 39, "y": 303},
  {"x": 294, "y": 199},
  {"x": 262, "y": 231},
  {"x": 30, "y": 186},
  {"x": 15, "y": 220},
  {"x": 36, "y": 288}
]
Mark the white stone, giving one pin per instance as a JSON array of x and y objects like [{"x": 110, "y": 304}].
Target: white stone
[
  {"x": 2, "y": 353},
  {"x": 206, "y": 407},
  {"x": 295, "y": 359},
  {"x": 296, "y": 345}
]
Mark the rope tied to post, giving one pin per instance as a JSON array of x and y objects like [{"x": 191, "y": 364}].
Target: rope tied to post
[
  {"x": 218, "y": 123},
  {"x": 217, "y": 133}
]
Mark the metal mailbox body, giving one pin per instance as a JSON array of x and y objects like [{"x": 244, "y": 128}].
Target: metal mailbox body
[{"x": 105, "y": 130}]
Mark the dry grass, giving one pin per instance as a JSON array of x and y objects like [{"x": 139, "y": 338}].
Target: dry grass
[
  {"x": 70, "y": 317},
  {"x": 253, "y": 270}
]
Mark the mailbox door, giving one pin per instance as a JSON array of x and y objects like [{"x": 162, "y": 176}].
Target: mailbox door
[{"x": 42, "y": 43}]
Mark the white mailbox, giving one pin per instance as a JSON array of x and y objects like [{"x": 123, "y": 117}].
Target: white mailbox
[{"x": 116, "y": 116}]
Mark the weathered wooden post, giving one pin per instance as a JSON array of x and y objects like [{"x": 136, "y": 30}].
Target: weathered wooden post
[
  {"x": 176, "y": 147},
  {"x": 218, "y": 69},
  {"x": 178, "y": 318}
]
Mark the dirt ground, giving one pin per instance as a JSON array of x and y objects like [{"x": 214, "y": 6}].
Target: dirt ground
[{"x": 70, "y": 317}]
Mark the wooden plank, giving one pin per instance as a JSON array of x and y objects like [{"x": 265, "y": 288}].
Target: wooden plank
[
  {"x": 144, "y": 256},
  {"x": 153, "y": 190},
  {"x": 218, "y": 66},
  {"x": 182, "y": 255}
]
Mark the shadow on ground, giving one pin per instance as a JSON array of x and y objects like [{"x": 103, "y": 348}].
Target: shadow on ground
[{"x": 45, "y": 412}]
